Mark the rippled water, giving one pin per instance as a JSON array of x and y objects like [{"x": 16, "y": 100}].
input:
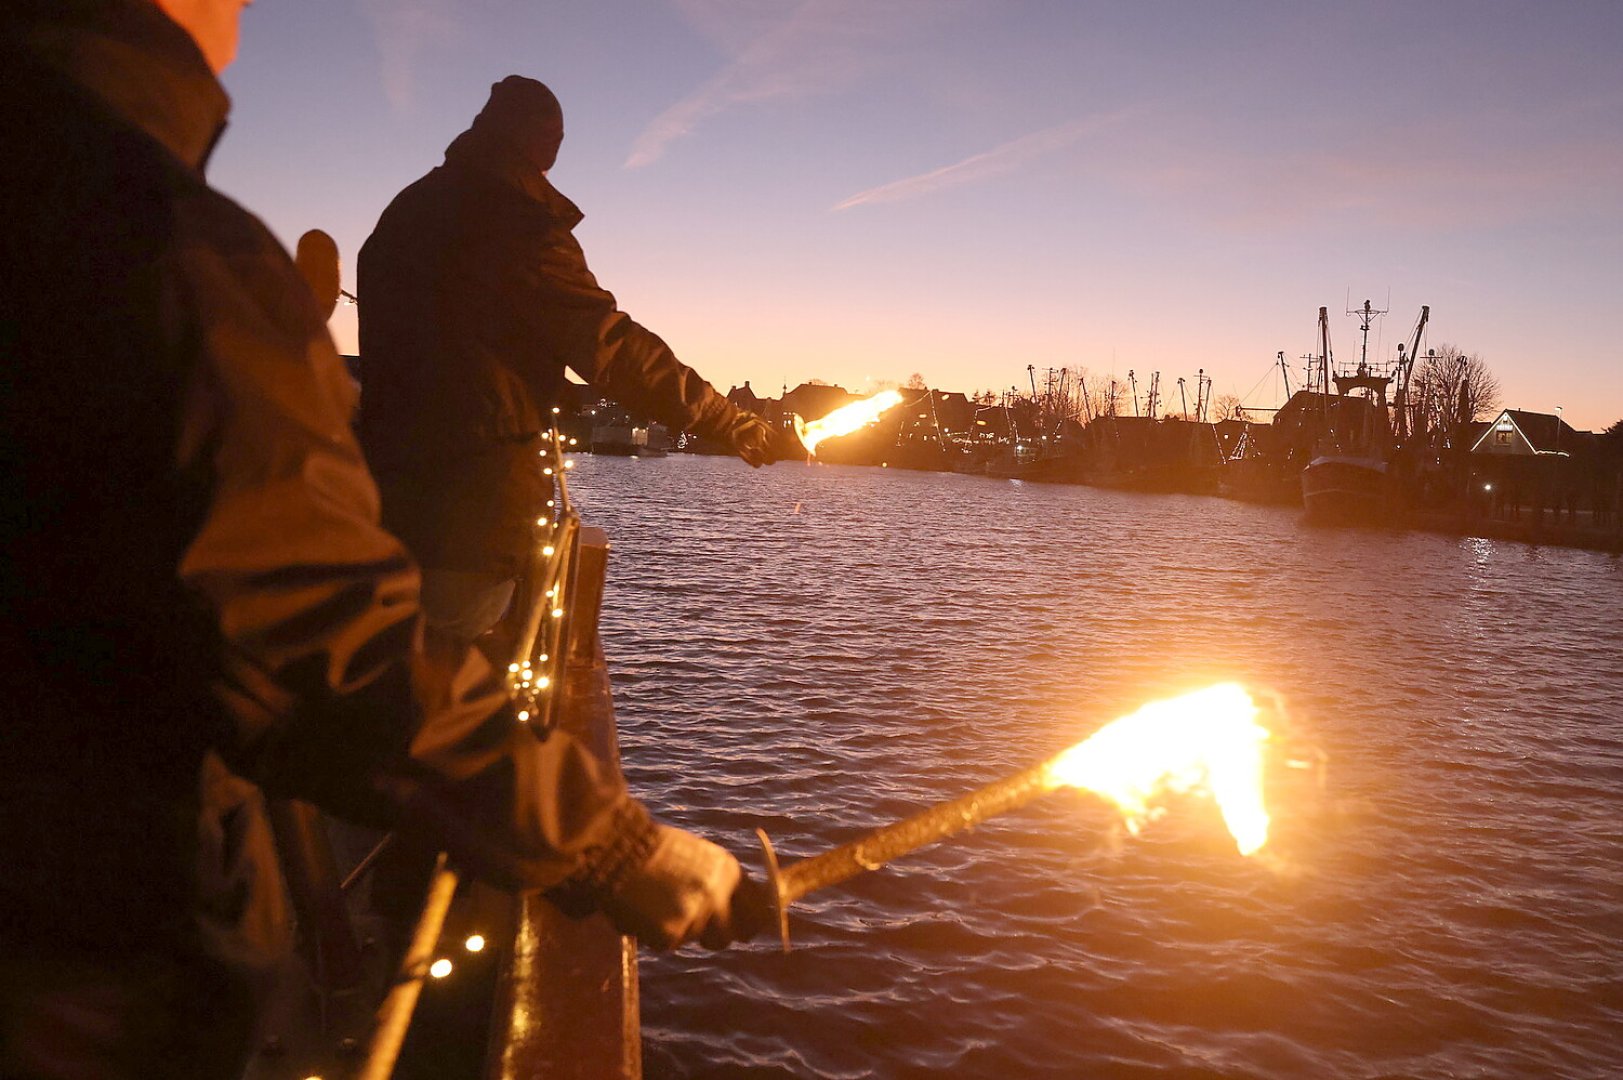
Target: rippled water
[{"x": 820, "y": 650}]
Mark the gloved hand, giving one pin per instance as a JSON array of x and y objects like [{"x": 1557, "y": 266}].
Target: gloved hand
[
  {"x": 683, "y": 890},
  {"x": 760, "y": 443}
]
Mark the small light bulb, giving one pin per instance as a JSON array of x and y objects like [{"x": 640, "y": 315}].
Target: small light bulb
[
  {"x": 542, "y": 681},
  {"x": 547, "y": 551},
  {"x": 543, "y": 658},
  {"x": 555, "y": 410},
  {"x": 547, "y": 471},
  {"x": 440, "y": 968},
  {"x": 524, "y": 714},
  {"x": 475, "y": 943},
  {"x": 557, "y": 613},
  {"x": 540, "y": 521},
  {"x": 569, "y": 464},
  {"x": 571, "y": 442},
  {"x": 513, "y": 668}
]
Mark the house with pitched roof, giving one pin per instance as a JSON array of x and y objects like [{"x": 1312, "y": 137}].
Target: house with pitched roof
[
  {"x": 1517, "y": 433},
  {"x": 1533, "y": 461}
]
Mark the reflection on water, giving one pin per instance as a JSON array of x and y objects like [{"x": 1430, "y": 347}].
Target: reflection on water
[{"x": 821, "y": 650}]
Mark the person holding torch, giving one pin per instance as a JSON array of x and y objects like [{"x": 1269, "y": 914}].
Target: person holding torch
[
  {"x": 474, "y": 298},
  {"x": 200, "y": 605}
]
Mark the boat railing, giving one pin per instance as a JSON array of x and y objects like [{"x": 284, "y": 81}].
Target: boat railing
[{"x": 562, "y": 1000}]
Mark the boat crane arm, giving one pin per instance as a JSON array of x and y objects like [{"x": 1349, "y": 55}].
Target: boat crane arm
[{"x": 1400, "y": 396}]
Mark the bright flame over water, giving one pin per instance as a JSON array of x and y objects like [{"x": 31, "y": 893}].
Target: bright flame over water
[
  {"x": 1208, "y": 741},
  {"x": 846, "y": 419}
]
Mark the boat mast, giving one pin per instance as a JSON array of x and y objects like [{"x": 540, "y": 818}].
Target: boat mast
[
  {"x": 1366, "y": 316},
  {"x": 1324, "y": 358},
  {"x": 1373, "y": 384}
]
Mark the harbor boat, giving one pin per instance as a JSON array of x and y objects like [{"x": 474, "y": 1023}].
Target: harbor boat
[
  {"x": 625, "y": 439},
  {"x": 1349, "y": 479}
]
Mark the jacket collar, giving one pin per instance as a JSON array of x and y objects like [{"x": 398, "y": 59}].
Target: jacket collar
[
  {"x": 563, "y": 211},
  {"x": 137, "y": 62},
  {"x": 474, "y": 151}
]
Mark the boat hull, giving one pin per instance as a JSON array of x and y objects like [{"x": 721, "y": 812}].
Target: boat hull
[{"x": 1346, "y": 490}]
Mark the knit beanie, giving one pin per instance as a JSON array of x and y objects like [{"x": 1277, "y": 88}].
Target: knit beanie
[{"x": 523, "y": 114}]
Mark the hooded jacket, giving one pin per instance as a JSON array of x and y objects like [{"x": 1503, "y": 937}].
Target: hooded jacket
[
  {"x": 197, "y": 601},
  {"x": 474, "y": 298}
]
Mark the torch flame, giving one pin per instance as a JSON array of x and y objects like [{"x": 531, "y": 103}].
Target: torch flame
[
  {"x": 845, "y": 419},
  {"x": 1207, "y": 740}
]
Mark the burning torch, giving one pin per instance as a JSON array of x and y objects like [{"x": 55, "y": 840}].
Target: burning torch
[
  {"x": 1209, "y": 741},
  {"x": 845, "y": 419}
]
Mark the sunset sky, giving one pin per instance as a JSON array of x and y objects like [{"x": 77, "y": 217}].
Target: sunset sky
[{"x": 857, "y": 190}]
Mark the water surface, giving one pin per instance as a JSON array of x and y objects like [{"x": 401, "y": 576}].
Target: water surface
[{"x": 820, "y": 650}]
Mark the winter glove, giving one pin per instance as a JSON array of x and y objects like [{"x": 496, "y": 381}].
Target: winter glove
[
  {"x": 760, "y": 443},
  {"x": 682, "y": 890}
]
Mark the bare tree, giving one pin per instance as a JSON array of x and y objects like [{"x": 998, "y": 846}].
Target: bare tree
[
  {"x": 915, "y": 381},
  {"x": 1106, "y": 397},
  {"x": 1452, "y": 388},
  {"x": 1226, "y": 407}
]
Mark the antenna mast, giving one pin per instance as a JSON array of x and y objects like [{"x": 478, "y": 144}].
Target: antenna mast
[{"x": 1366, "y": 316}]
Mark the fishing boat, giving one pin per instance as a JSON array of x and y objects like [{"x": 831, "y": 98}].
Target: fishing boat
[
  {"x": 626, "y": 439},
  {"x": 1349, "y": 479}
]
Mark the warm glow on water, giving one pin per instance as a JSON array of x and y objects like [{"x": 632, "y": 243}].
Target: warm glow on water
[
  {"x": 1208, "y": 741},
  {"x": 845, "y": 419},
  {"x": 1447, "y": 905}
]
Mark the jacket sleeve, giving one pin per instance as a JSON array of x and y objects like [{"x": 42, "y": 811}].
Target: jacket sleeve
[
  {"x": 581, "y": 324},
  {"x": 322, "y": 674}
]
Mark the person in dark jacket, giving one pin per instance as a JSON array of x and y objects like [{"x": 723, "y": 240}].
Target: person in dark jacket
[
  {"x": 198, "y": 606},
  {"x": 474, "y": 298}
]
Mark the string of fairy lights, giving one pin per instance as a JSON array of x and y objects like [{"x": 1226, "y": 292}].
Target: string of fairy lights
[
  {"x": 538, "y": 658},
  {"x": 532, "y": 678},
  {"x": 534, "y": 669}
]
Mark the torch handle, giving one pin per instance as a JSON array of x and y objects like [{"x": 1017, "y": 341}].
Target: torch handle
[{"x": 879, "y": 847}]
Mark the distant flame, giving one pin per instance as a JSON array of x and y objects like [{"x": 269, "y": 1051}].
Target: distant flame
[
  {"x": 1208, "y": 741},
  {"x": 845, "y": 419}
]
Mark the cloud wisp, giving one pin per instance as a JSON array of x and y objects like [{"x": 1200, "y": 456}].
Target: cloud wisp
[
  {"x": 811, "y": 48},
  {"x": 404, "y": 29},
  {"x": 998, "y": 161}
]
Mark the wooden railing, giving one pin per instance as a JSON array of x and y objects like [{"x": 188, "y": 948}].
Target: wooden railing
[
  {"x": 567, "y": 1001},
  {"x": 564, "y": 1002}
]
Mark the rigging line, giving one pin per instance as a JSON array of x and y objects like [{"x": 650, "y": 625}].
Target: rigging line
[{"x": 1273, "y": 367}]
